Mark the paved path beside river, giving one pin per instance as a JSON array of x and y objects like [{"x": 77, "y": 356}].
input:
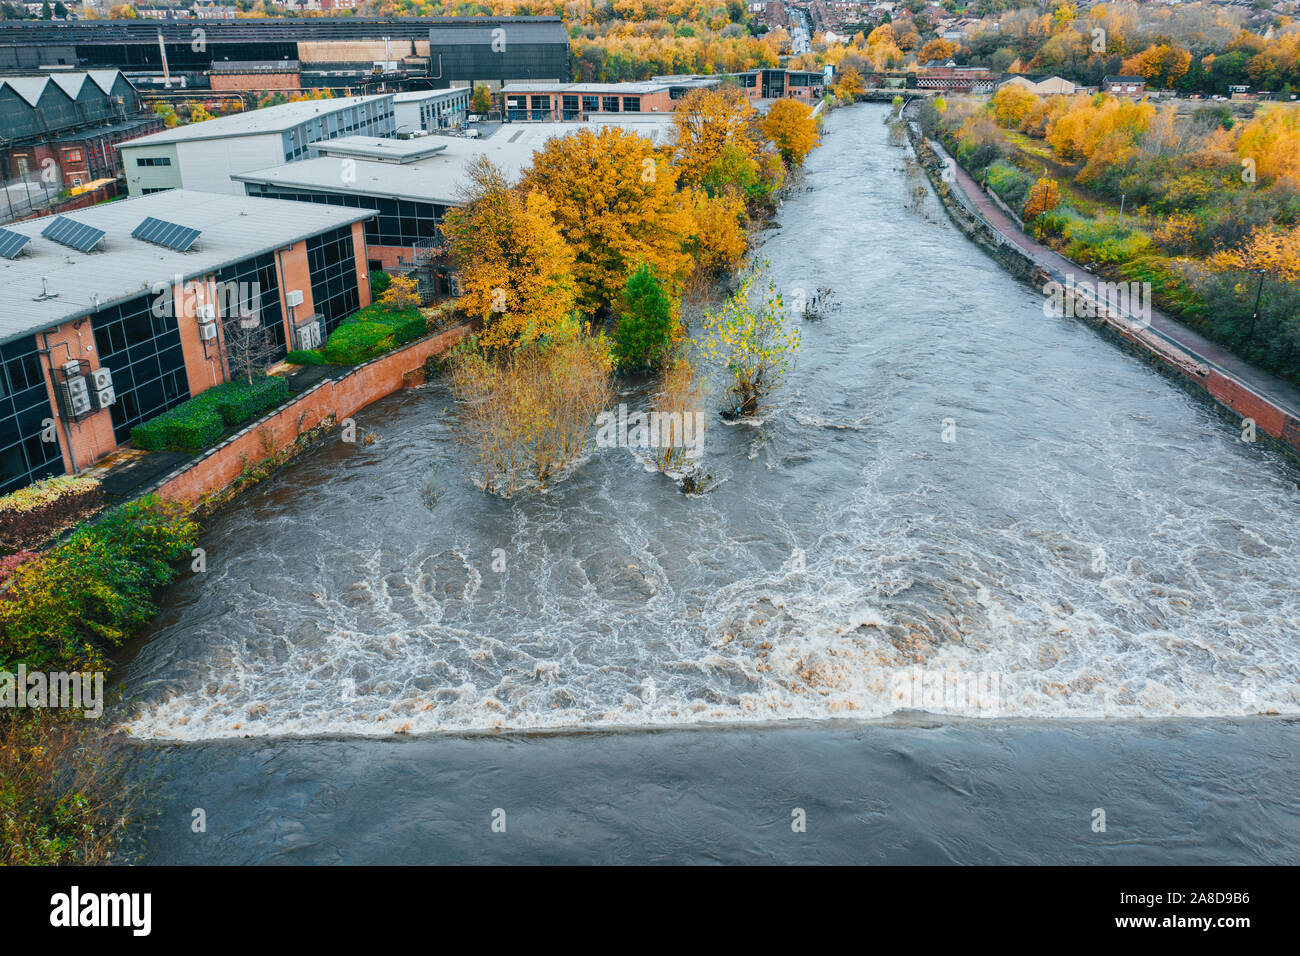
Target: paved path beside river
[{"x": 1276, "y": 390}]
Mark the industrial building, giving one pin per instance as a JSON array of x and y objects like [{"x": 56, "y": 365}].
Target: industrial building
[
  {"x": 341, "y": 53},
  {"x": 775, "y": 84},
  {"x": 410, "y": 183},
  {"x": 116, "y": 313},
  {"x": 71, "y": 120},
  {"x": 551, "y": 102},
  {"x": 203, "y": 156},
  {"x": 431, "y": 110}
]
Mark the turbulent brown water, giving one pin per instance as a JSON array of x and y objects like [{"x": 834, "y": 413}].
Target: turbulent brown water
[
  {"x": 1094, "y": 540},
  {"x": 1092, "y": 536}
]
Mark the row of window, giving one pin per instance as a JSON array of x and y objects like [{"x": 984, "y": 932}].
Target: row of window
[
  {"x": 518, "y": 107},
  {"x": 153, "y": 161},
  {"x": 399, "y": 223},
  {"x": 24, "y": 411},
  {"x": 331, "y": 264},
  {"x": 144, "y": 351}
]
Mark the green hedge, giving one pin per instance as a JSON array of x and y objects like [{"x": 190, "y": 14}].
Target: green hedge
[
  {"x": 199, "y": 422},
  {"x": 373, "y": 331},
  {"x": 354, "y": 342},
  {"x": 379, "y": 283},
  {"x": 305, "y": 357}
]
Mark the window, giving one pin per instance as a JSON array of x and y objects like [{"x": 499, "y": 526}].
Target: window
[
  {"x": 610, "y": 104},
  {"x": 333, "y": 270},
  {"x": 591, "y": 104},
  {"x": 72, "y": 156},
  {"x": 24, "y": 408},
  {"x": 144, "y": 351},
  {"x": 251, "y": 287},
  {"x": 153, "y": 161},
  {"x": 631, "y": 104}
]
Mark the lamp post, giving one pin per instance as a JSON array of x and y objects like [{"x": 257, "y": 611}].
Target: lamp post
[{"x": 1259, "y": 291}]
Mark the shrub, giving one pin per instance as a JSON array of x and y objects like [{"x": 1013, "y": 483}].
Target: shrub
[
  {"x": 379, "y": 283},
  {"x": 403, "y": 293},
  {"x": 644, "y": 331},
  {"x": 354, "y": 342},
  {"x": 200, "y": 421},
  {"x": 305, "y": 357},
  {"x": 63, "y": 795},
  {"x": 410, "y": 330},
  {"x": 1009, "y": 183},
  {"x": 39, "y": 509},
  {"x": 87, "y": 595},
  {"x": 239, "y": 401}
]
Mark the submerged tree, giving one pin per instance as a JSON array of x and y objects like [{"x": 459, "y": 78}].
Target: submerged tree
[
  {"x": 752, "y": 341},
  {"x": 528, "y": 413}
]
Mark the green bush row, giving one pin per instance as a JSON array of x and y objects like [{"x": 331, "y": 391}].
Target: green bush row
[{"x": 199, "y": 422}]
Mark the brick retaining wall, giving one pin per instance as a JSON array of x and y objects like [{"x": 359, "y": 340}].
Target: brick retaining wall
[{"x": 340, "y": 398}]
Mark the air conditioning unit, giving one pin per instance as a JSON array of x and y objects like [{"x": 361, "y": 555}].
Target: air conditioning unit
[
  {"x": 72, "y": 369},
  {"x": 308, "y": 336},
  {"x": 77, "y": 398},
  {"x": 206, "y": 312},
  {"x": 208, "y": 331},
  {"x": 105, "y": 397},
  {"x": 293, "y": 297},
  {"x": 102, "y": 378}
]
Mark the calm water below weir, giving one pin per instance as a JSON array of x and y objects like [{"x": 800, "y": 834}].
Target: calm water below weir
[{"x": 1095, "y": 545}]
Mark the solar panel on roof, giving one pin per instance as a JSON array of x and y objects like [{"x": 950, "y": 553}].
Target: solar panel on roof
[
  {"x": 168, "y": 234},
  {"x": 11, "y": 243},
  {"x": 73, "y": 234}
]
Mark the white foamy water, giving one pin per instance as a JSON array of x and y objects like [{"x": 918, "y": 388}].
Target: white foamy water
[{"x": 1094, "y": 542}]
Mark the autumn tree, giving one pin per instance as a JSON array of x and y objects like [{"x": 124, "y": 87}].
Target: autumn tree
[
  {"x": 708, "y": 121},
  {"x": 849, "y": 84},
  {"x": 617, "y": 205},
  {"x": 403, "y": 293},
  {"x": 1012, "y": 104},
  {"x": 938, "y": 49},
  {"x": 1043, "y": 197},
  {"x": 482, "y": 101},
  {"x": 516, "y": 272},
  {"x": 791, "y": 126},
  {"x": 718, "y": 238},
  {"x": 122, "y": 11},
  {"x": 751, "y": 340}
]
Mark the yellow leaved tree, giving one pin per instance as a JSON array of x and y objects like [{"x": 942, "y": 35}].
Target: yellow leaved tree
[
  {"x": 616, "y": 204},
  {"x": 516, "y": 271},
  {"x": 791, "y": 126},
  {"x": 707, "y": 121}
]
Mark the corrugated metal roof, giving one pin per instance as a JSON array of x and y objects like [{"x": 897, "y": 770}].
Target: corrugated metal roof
[
  {"x": 234, "y": 228},
  {"x": 483, "y": 32}
]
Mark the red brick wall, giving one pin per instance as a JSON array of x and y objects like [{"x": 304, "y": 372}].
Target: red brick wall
[{"x": 342, "y": 399}]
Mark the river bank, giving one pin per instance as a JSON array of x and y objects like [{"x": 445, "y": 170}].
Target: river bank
[{"x": 1238, "y": 390}]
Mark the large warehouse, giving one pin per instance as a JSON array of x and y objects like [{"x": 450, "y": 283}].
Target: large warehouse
[{"x": 333, "y": 52}]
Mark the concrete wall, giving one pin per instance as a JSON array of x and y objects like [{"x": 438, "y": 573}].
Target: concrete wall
[
  {"x": 367, "y": 383},
  {"x": 206, "y": 164},
  {"x": 139, "y": 178}
]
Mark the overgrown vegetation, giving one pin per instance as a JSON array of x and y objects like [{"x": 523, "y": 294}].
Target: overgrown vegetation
[
  {"x": 30, "y": 515},
  {"x": 67, "y": 609}
]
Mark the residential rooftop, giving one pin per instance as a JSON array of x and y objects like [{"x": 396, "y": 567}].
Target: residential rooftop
[
  {"x": 49, "y": 283},
  {"x": 271, "y": 119}
]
